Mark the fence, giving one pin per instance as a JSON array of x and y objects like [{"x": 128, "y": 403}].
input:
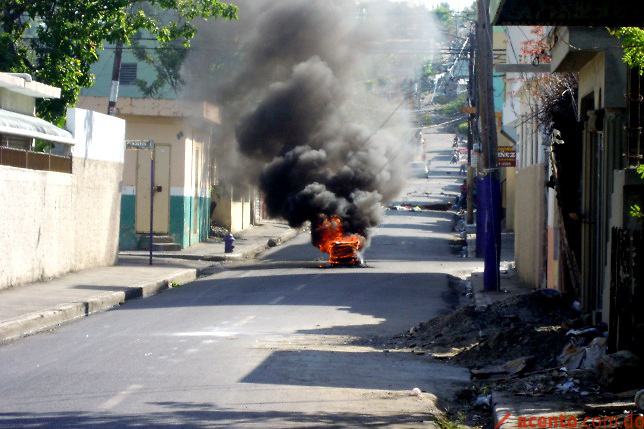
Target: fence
[
  {"x": 626, "y": 295},
  {"x": 35, "y": 160}
]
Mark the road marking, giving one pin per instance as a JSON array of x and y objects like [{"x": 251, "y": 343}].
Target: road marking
[
  {"x": 244, "y": 321},
  {"x": 117, "y": 399},
  {"x": 300, "y": 287},
  {"x": 276, "y": 300}
]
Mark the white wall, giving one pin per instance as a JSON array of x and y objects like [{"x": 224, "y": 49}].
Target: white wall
[{"x": 53, "y": 223}]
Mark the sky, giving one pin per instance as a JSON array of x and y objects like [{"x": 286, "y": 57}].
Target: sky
[{"x": 453, "y": 4}]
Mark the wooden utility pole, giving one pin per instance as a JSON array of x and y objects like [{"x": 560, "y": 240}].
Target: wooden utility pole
[
  {"x": 488, "y": 228},
  {"x": 471, "y": 92},
  {"x": 486, "y": 92}
]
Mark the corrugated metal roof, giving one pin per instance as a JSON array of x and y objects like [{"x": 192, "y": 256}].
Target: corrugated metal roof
[{"x": 16, "y": 124}]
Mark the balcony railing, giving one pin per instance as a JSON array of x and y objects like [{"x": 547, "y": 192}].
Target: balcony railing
[{"x": 35, "y": 160}]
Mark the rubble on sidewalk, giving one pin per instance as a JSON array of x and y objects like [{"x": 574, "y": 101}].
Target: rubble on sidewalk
[
  {"x": 420, "y": 207},
  {"x": 526, "y": 325},
  {"x": 620, "y": 371},
  {"x": 217, "y": 231},
  {"x": 536, "y": 345}
]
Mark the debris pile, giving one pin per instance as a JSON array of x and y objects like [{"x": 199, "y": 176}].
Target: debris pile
[
  {"x": 536, "y": 345},
  {"x": 420, "y": 207},
  {"x": 526, "y": 325},
  {"x": 217, "y": 231}
]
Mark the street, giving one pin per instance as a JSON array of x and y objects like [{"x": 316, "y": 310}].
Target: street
[{"x": 280, "y": 341}]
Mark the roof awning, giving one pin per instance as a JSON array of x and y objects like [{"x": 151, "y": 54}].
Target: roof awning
[
  {"x": 584, "y": 13},
  {"x": 17, "y": 124}
]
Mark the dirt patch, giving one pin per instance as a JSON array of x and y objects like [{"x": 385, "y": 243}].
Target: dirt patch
[{"x": 525, "y": 325}]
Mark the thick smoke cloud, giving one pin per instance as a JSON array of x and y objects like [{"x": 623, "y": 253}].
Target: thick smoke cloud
[{"x": 290, "y": 124}]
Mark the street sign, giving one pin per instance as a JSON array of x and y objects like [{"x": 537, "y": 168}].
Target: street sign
[
  {"x": 507, "y": 156},
  {"x": 468, "y": 109},
  {"x": 138, "y": 144}
]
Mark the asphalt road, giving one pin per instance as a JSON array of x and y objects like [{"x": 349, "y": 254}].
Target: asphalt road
[{"x": 281, "y": 341}]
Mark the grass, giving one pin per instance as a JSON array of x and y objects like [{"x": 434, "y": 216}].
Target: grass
[{"x": 448, "y": 422}]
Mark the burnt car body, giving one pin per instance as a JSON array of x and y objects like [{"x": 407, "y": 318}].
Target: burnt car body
[{"x": 344, "y": 253}]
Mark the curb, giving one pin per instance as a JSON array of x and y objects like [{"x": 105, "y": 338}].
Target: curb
[
  {"x": 253, "y": 251},
  {"x": 39, "y": 321},
  {"x": 32, "y": 323},
  {"x": 498, "y": 412},
  {"x": 247, "y": 254}
]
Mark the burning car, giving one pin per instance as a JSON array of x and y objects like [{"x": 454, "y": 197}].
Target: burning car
[
  {"x": 343, "y": 248},
  {"x": 344, "y": 253}
]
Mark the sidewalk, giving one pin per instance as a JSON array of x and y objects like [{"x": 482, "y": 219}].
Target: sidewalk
[
  {"x": 247, "y": 244},
  {"x": 504, "y": 403},
  {"x": 39, "y": 306}
]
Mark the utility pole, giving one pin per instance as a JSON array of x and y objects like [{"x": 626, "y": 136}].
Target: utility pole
[
  {"x": 471, "y": 91},
  {"x": 489, "y": 187},
  {"x": 116, "y": 77}
]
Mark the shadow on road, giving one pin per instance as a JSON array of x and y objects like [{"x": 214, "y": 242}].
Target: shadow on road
[{"x": 190, "y": 415}]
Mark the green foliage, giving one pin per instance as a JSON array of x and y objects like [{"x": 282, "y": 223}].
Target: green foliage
[
  {"x": 633, "y": 43},
  {"x": 635, "y": 210},
  {"x": 453, "y": 107},
  {"x": 167, "y": 64},
  {"x": 427, "y": 76},
  {"x": 462, "y": 128},
  {"x": 445, "y": 16},
  {"x": 57, "y": 41},
  {"x": 447, "y": 422},
  {"x": 448, "y": 17},
  {"x": 43, "y": 146}
]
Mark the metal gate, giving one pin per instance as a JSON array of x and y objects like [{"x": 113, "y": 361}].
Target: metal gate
[{"x": 626, "y": 297}]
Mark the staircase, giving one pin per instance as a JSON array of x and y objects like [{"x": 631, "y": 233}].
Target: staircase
[{"x": 160, "y": 243}]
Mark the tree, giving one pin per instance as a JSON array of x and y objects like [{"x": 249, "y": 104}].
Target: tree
[
  {"x": 166, "y": 62},
  {"x": 633, "y": 44},
  {"x": 57, "y": 41},
  {"x": 445, "y": 16}
]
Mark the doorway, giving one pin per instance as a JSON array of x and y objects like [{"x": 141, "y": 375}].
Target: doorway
[{"x": 161, "y": 196}]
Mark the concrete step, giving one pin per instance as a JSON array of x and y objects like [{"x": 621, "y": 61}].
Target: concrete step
[
  {"x": 165, "y": 247},
  {"x": 161, "y": 243}
]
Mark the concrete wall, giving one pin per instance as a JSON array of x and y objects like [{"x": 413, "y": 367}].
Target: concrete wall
[
  {"x": 54, "y": 223},
  {"x": 530, "y": 224},
  {"x": 14, "y": 102},
  {"x": 508, "y": 177},
  {"x": 233, "y": 212},
  {"x": 605, "y": 77}
]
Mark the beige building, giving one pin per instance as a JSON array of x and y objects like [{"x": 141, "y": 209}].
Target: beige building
[{"x": 185, "y": 176}]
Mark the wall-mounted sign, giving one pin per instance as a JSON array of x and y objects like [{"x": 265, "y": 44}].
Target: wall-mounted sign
[
  {"x": 507, "y": 156},
  {"x": 138, "y": 144},
  {"x": 468, "y": 109}
]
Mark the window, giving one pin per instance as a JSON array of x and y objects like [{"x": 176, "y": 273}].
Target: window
[{"x": 128, "y": 73}]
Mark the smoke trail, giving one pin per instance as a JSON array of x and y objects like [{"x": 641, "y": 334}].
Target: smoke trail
[{"x": 291, "y": 112}]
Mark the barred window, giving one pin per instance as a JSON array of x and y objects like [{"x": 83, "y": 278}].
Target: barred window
[{"x": 128, "y": 73}]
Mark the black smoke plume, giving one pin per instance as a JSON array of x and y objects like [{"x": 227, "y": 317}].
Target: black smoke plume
[{"x": 291, "y": 111}]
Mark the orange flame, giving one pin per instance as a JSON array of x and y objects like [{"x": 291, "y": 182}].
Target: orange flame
[{"x": 342, "y": 248}]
